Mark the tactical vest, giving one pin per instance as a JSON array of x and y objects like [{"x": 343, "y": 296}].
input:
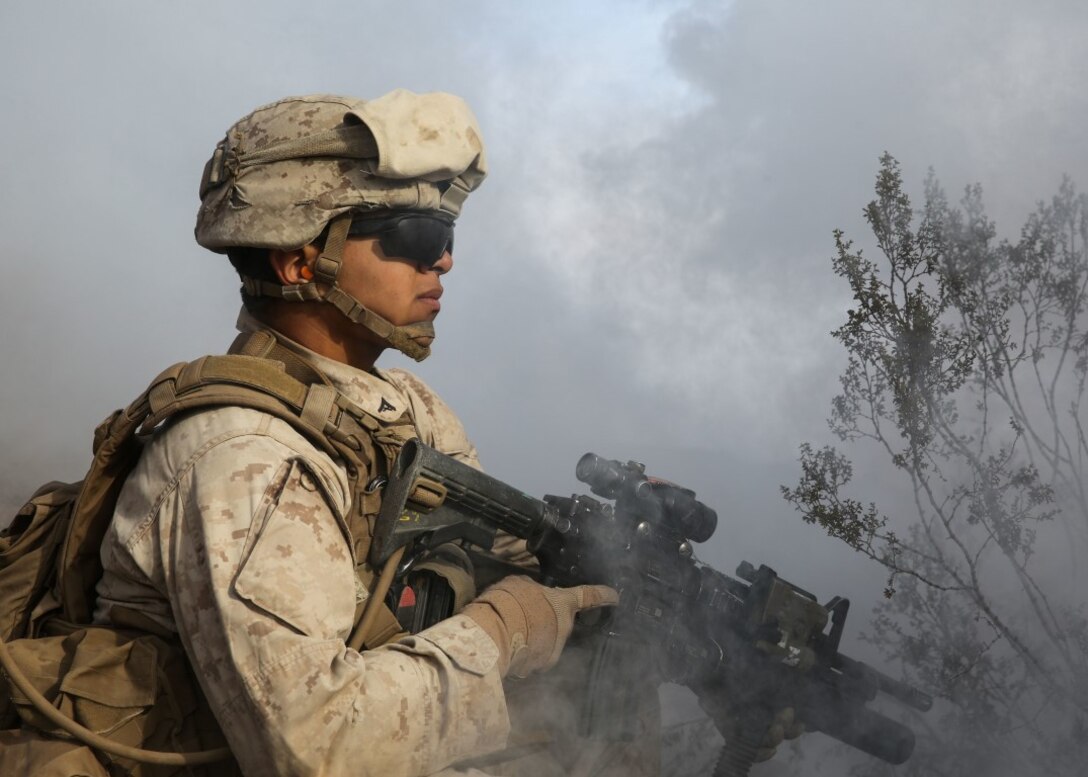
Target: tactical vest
[{"x": 132, "y": 682}]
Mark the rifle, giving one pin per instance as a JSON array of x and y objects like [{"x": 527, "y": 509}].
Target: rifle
[{"x": 756, "y": 640}]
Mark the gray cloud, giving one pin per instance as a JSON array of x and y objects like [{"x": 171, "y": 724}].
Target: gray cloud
[
  {"x": 645, "y": 274},
  {"x": 645, "y": 270}
]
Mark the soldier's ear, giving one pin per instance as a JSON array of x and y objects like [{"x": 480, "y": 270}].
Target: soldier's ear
[{"x": 293, "y": 267}]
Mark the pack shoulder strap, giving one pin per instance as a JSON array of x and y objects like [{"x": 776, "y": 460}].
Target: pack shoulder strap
[
  {"x": 316, "y": 410},
  {"x": 286, "y": 388}
]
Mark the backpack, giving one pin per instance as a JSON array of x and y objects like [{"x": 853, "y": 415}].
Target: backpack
[{"x": 49, "y": 554}]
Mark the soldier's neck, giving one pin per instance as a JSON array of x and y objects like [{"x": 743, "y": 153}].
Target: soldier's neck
[{"x": 324, "y": 330}]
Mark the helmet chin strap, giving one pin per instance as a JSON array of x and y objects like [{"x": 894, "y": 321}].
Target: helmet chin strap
[{"x": 413, "y": 340}]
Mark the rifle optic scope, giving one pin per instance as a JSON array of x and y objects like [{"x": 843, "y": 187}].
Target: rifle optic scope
[{"x": 680, "y": 511}]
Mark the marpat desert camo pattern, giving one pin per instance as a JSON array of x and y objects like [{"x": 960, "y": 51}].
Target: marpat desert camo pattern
[
  {"x": 231, "y": 532},
  {"x": 424, "y": 143}
]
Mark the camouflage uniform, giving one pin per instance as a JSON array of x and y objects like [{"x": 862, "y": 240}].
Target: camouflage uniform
[{"x": 231, "y": 533}]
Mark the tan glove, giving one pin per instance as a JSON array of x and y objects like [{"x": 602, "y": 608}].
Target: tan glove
[
  {"x": 530, "y": 622},
  {"x": 452, "y": 564},
  {"x": 784, "y": 726}
]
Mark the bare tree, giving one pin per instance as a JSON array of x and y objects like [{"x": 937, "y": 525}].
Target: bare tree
[{"x": 967, "y": 359}]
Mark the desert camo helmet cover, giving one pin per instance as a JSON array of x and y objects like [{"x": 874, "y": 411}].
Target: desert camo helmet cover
[{"x": 289, "y": 169}]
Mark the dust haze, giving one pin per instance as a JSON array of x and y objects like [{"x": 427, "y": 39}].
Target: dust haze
[{"x": 645, "y": 274}]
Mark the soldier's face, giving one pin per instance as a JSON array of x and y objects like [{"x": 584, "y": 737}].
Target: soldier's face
[{"x": 397, "y": 289}]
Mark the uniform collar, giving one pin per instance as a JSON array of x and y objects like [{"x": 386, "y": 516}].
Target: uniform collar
[{"x": 372, "y": 391}]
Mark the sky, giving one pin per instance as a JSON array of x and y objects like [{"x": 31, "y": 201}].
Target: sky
[{"x": 646, "y": 272}]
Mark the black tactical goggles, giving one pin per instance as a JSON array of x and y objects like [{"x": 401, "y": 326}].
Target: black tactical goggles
[{"x": 419, "y": 237}]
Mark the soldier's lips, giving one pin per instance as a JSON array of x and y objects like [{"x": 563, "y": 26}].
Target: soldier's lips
[{"x": 430, "y": 299}]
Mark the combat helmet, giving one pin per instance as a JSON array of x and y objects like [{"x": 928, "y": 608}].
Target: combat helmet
[{"x": 303, "y": 166}]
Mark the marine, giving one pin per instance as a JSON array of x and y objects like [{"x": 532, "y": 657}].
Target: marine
[{"x": 241, "y": 542}]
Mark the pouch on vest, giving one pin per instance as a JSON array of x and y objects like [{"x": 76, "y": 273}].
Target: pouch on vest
[
  {"x": 29, "y": 546},
  {"x": 49, "y": 562},
  {"x": 24, "y": 751},
  {"x": 136, "y": 689}
]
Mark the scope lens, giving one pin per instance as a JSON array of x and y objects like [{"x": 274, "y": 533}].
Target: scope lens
[
  {"x": 603, "y": 476},
  {"x": 692, "y": 519}
]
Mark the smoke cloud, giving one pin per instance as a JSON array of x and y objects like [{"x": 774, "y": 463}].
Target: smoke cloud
[{"x": 646, "y": 273}]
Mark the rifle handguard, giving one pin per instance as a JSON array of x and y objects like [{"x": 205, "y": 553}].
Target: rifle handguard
[{"x": 473, "y": 506}]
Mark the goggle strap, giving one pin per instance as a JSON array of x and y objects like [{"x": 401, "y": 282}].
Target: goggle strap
[{"x": 454, "y": 197}]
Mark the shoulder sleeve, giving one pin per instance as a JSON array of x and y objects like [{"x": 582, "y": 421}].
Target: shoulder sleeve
[
  {"x": 260, "y": 577},
  {"x": 438, "y": 425}
]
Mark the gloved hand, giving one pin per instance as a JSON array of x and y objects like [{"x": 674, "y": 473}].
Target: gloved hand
[
  {"x": 530, "y": 622},
  {"x": 452, "y": 564},
  {"x": 717, "y": 701},
  {"x": 784, "y": 726}
]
